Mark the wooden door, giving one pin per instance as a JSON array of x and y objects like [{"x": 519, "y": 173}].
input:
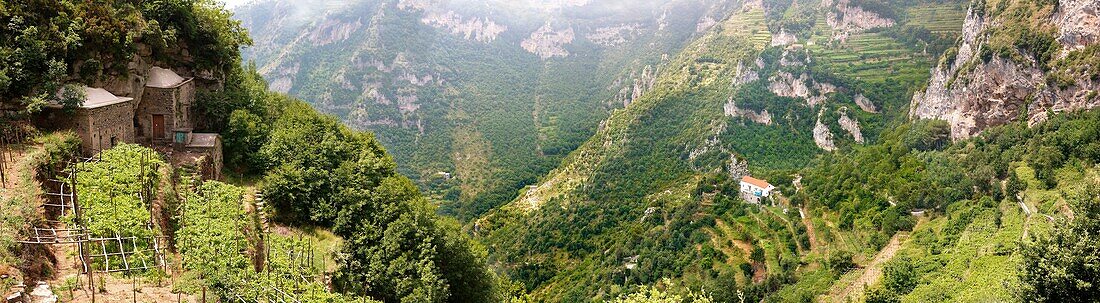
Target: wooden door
[{"x": 158, "y": 126}]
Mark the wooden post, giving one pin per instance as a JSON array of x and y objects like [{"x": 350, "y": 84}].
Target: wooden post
[
  {"x": 91, "y": 283},
  {"x": 3, "y": 176},
  {"x": 204, "y": 294}
]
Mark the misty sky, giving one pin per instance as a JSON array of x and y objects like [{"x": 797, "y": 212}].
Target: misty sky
[{"x": 234, "y": 3}]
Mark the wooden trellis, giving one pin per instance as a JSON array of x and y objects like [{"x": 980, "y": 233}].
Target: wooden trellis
[
  {"x": 126, "y": 255},
  {"x": 11, "y": 133},
  {"x": 118, "y": 253},
  {"x": 49, "y": 235}
]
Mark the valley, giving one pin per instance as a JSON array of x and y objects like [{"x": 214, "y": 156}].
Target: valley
[{"x": 550, "y": 151}]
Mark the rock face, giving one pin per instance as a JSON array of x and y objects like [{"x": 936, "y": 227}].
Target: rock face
[
  {"x": 333, "y": 30},
  {"x": 1078, "y": 23},
  {"x": 783, "y": 38},
  {"x": 972, "y": 93},
  {"x": 614, "y": 35},
  {"x": 731, "y": 109},
  {"x": 477, "y": 29},
  {"x": 847, "y": 20},
  {"x": 865, "y": 104},
  {"x": 784, "y": 84},
  {"x": 850, "y": 125},
  {"x": 744, "y": 74},
  {"x": 548, "y": 43},
  {"x": 704, "y": 24},
  {"x": 636, "y": 85},
  {"x": 822, "y": 136}
]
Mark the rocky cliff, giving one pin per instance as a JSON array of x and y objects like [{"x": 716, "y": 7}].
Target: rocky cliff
[{"x": 985, "y": 81}]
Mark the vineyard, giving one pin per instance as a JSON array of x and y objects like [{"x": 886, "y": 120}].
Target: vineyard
[{"x": 215, "y": 244}]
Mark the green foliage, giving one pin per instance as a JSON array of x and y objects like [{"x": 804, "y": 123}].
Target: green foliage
[
  {"x": 900, "y": 276},
  {"x": 650, "y": 294},
  {"x": 316, "y": 164},
  {"x": 112, "y": 191},
  {"x": 21, "y": 205},
  {"x": 202, "y": 25},
  {"x": 1061, "y": 266},
  {"x": 840, "y": 262},
  {"x": 48, "y": 42},
  {"x": 211, "y": 237}
]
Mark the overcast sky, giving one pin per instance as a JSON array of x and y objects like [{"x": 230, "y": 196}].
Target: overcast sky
[{"x": 234, "y": 3}]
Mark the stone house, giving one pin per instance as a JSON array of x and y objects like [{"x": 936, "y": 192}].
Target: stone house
[
  {"x": 103, "y": 121},
  {"x": 164, "y": 107}
]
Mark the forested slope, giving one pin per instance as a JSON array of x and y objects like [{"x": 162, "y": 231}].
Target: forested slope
[
  {"x": 653, "y": 194},
  {"x": 314, "y": 173},
  {"x": 476, "y": 100}
]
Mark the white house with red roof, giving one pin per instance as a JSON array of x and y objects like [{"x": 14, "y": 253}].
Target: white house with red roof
[{"x": 753, "y": 189}]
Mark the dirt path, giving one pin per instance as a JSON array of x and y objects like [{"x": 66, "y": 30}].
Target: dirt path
[
  {"x": 13, "y": 157},
  {"x": 871, "y": 272},
  {"x": 809, "y": 228}
]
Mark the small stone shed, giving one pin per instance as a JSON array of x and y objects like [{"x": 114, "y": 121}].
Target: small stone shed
[
  {"x": 103, "y": 121},
  {"x": 199, "y": 151},
  {"x": 164, "y": 106}
]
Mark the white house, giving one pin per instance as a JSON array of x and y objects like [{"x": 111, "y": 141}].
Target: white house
[{"x": 753, "y": 189}]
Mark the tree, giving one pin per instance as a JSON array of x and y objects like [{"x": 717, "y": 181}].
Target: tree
[
  {"x": 900, "y": 276},
  {"x": 1064, "y": 266},
  {"x": 840, "y": 261}
]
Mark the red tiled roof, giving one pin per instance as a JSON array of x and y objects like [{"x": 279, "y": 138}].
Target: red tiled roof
[{"x": 755, "y": 182}]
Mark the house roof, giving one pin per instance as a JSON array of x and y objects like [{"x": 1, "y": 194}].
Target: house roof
[
  {"x": 95, "y": 97},
  {"x": 755, "y": 182},
  {"x": 163, "y": 78},
  {"x": 203, "y": 140}
]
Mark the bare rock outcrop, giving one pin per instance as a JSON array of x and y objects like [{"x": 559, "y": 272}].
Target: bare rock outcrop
[
  {"x": 822, "y": 136},
  {"x": 636, "y": 85},
  {"x": 477, "y": 29},
  {"x": 731, "y": 109},
  {"x": 548, "y": 43},
  {"x": 865, "y": 104},
  {"x": 705, "y": 24},
  {"x": 847, "y": 20},
  {"x": 783, "y": 38},
  {"x": 972, "y": 93},
  {"x": 612, "y": 36},
  {"x": 851, "y": 126},
  {"x": 784, "y": 84},
  {"x": 744, "y": 74},
  {"x": 1078, "y": 23},
  {"x": 333, "y": 30}
]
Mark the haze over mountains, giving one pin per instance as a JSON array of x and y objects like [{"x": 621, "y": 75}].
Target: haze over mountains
[
  {"x": 493, "y": 93},
  {"x": 594, "y": 141},
  {"x": 550, "y": 151}
]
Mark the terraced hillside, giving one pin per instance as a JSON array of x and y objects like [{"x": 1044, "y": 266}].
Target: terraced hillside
[{"x": 653, "y": 194}]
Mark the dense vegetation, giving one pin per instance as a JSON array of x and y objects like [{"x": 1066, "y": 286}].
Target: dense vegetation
[
  {"x": 212, "y": 237},
  {"x": 116, "y": 192},
  {"x": 48, "y": 43},
  {"x": 318, "y": 172},
  {"x": 490, "y": 114},
  {"x": 649, "y": 196},
  {"x": 314, "y": 171},
  {"x": 20, "y": 204}
]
